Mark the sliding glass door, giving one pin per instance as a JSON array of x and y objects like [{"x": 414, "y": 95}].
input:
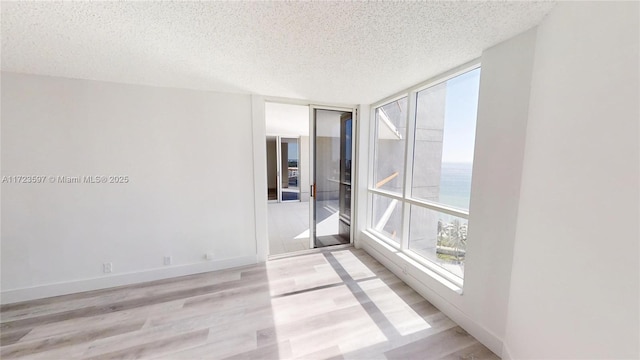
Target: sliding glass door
[{"x": 331, "y": 190}]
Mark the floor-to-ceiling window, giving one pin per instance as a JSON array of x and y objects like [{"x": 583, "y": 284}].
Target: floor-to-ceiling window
[{"x": 422, "y": 169}]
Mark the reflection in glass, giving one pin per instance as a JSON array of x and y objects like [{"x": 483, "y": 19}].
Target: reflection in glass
[
  {"x": 391, "y": 122},
  {"x": 387, "y": 217},
  {"x": 439, "y": 237},
  {"x": 332, "y": 203}
]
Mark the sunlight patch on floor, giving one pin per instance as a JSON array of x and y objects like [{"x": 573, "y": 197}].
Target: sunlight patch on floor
[
  {"x": 395, "y": 309},
  {"x": 328, "y": 226},
  {"x": 352, "y": 265}
]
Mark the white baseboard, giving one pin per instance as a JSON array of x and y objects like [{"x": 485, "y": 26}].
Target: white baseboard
[
  {"x": 413, "y": 277},
  {"x": 75, "y": 286}
]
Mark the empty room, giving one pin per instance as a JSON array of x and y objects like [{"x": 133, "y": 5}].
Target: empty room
[{"x": 320, "y": 180}]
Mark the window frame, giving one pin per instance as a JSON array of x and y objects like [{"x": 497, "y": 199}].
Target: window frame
[{"x": 405, "y": 199}]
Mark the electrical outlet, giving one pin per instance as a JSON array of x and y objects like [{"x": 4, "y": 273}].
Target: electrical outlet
[
  {"x": 208, "y": 256},
  {"x": 168, "y": 260},
  {"x": 107, "y": 268}
]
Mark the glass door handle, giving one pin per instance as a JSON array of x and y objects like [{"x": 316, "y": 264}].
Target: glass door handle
[{"x": 312, "y": 190}]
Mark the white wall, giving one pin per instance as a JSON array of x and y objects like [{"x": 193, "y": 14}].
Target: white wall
[
  {"x": 501, "y": 129},
  {"x": 258, "y": 135},
  {"x": 499, "y": 147},
  {"x": 574, "y": 286},
  {"x": 188, "y": 156}
]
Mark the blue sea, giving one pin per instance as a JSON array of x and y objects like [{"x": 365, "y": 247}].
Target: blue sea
[{"x": 455, "y": 184}]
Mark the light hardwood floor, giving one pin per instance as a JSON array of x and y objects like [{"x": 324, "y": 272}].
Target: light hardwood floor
[{"x": 332, "y": 304}]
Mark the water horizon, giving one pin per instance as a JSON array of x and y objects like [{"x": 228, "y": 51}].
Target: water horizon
[{"x": 455, "y": 184}]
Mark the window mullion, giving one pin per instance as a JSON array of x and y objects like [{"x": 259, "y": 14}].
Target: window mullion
[
  {"x": 408, "y": 168},
  {"x": 373, "y": 146}
]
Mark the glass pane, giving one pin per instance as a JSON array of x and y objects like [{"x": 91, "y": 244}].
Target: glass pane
[
  {"x": 444, "y": 140},
  {"x": 387, "y": 217},
  {"x": 331, "y": 215},
  {"x": 345, "y": 148},
  {"x": 391, "y": 120},
  {"x": 345, "y": 167},
  {"x": 439, "y": 237}
]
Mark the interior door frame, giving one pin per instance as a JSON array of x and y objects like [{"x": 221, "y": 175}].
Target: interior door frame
[
  {"x": 312, "y": 166},
  {"x": 258, "y": 122}
]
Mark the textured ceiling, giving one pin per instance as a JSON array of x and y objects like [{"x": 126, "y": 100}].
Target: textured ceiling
[{"x": 337, "y": 52}]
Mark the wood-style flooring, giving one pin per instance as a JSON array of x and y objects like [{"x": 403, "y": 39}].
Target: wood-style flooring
[{"x": 331, "y": 304}]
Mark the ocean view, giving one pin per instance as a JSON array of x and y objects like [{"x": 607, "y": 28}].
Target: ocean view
[{"x": 455, "y": 184}]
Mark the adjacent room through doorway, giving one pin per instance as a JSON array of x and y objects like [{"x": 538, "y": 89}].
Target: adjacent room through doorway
[
  {"x": 288, "y": 160},
  {"x": 309, "y": 172}
]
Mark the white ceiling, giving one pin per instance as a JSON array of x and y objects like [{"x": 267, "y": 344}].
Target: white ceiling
[{"x": 355, "y": 52}]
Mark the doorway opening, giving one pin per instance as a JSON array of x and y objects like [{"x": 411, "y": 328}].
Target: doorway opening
[{"x": 309, "y": 172}]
